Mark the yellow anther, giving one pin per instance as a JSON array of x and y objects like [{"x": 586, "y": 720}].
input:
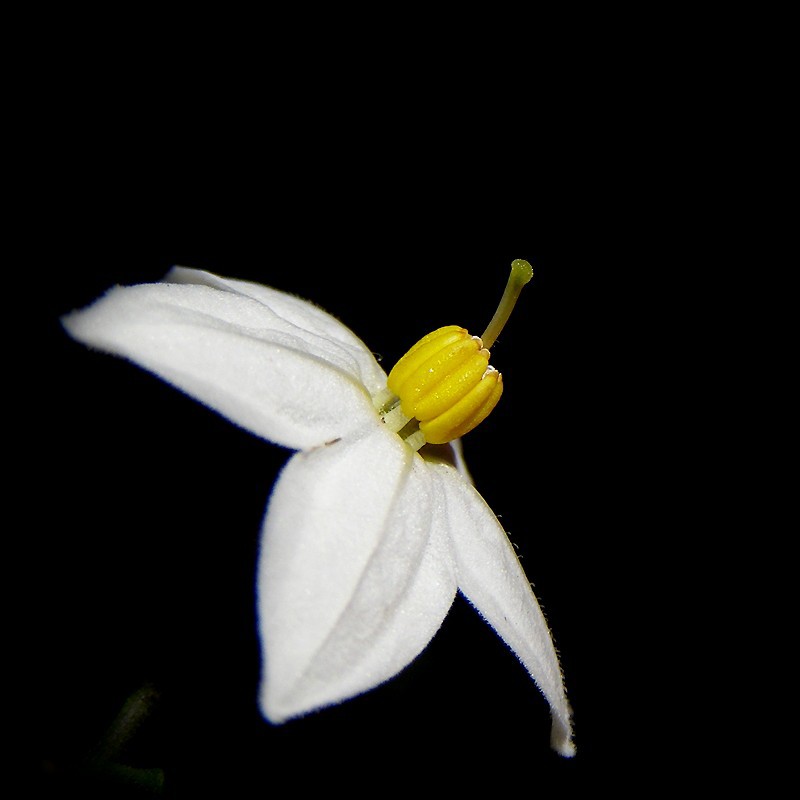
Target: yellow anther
[
  {"x": 431, "y": 369},
  {"x": 469, "y": 411},
  {"x": 445, "y": 381},
  {"x": 451, "y": 388},
  {"x": 426, "y": 346}
]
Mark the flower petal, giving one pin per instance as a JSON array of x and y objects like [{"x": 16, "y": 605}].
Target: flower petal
[
  {"x": 491, "y": 578},
  {"x": 274, "y": 364},
  {"x": 299, "y": 317},
  {"x": 354, "y": 580}
]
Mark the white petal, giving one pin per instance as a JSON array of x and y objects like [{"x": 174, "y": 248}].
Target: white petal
[
  {"x": 276, "y": 365},
  {"x": 299, "y": 317},
  {"x": 491, "y": 578},
  {"x": 354, "y": 578}
]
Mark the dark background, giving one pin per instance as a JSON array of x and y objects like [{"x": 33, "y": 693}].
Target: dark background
[
  {"x": 146, "y": 536},
  {"x": 141, "y": 509}
]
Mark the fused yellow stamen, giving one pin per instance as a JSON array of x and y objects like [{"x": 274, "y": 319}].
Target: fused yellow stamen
[
  {"x": 469, "y": 411},
  {"x": 439, "y": 383},
  {"x": 445, "y": 381},
  {"x": 426, "y": 346}
]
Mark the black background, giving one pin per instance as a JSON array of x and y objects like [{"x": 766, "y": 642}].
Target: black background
[
  {"x": 142, "y": 509},
  {"x": 146, "y": 536}
]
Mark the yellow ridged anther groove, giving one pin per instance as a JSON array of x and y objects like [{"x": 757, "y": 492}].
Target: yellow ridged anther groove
[
  {"x": 426, "y": 346},
  {"x": 468, "y": 412},
  {"x": 454, "y": 386},
  {"x": 445, "y": 382},
  {"x": 432, "y": 371}
]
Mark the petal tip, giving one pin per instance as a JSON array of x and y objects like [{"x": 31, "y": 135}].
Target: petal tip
[
  {"x": 564, "y": 748},
  {"x": 561, "y": 739},
  {"x": 279, "y": 706},
  {"x": 272, "y": 710}
]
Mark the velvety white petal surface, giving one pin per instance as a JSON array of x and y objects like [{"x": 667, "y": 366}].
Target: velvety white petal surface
[
  {"x": 274, "y": 364},
  {"x": 354, "y": 577},
  {"x": 491, "y": 578},
  {"x": 295, "y": 315}
]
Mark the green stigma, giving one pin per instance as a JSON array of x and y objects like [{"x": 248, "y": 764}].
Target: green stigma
[{"x": 521, "y": 273}]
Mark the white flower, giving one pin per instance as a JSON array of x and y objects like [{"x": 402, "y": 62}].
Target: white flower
[{"x": 366, "y": 540}]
